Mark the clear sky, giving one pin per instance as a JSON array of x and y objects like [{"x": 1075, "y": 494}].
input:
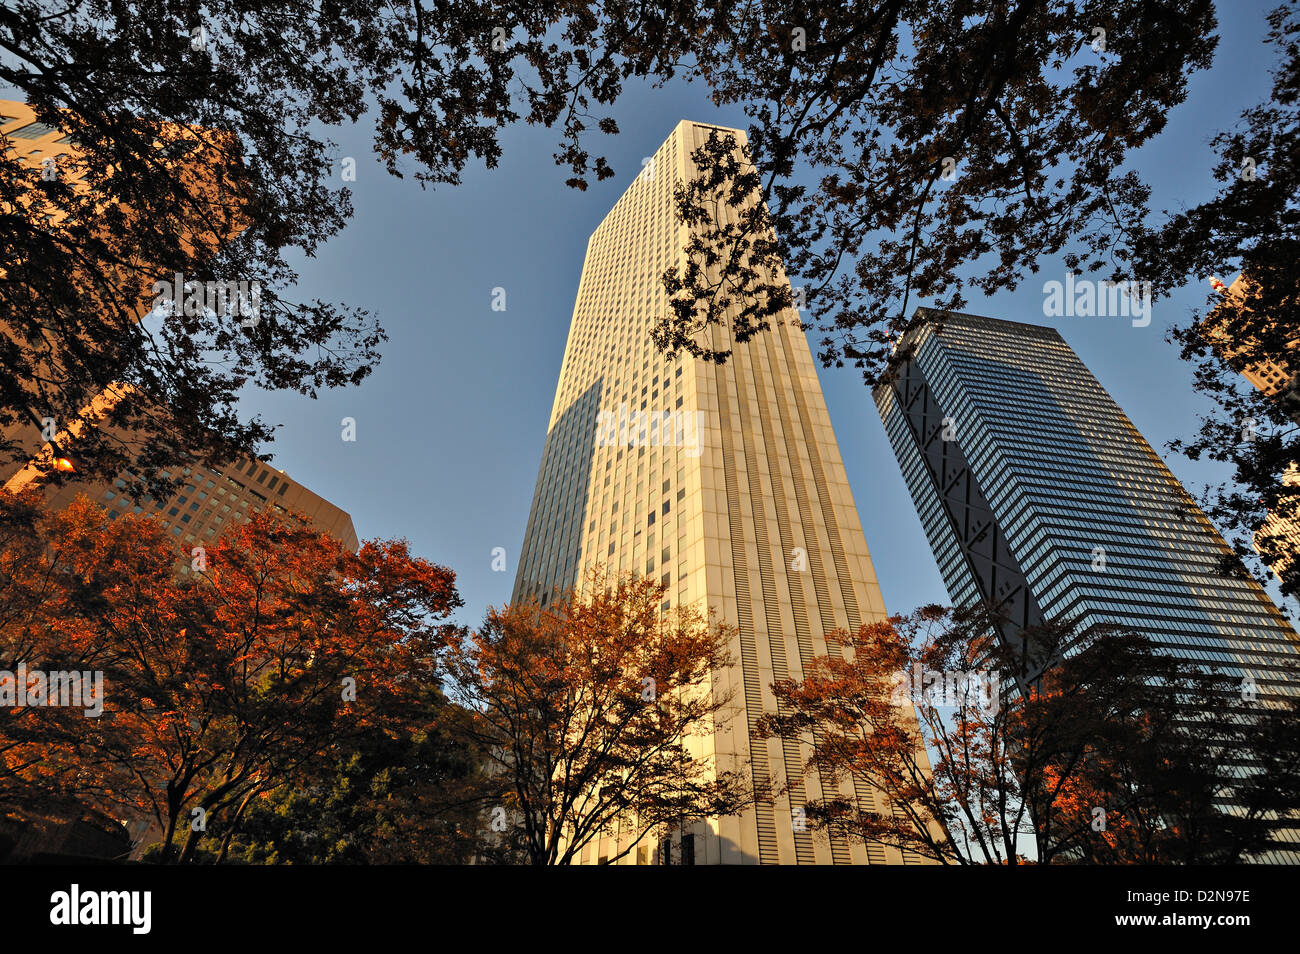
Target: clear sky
[{"x": 450, "y": 428}]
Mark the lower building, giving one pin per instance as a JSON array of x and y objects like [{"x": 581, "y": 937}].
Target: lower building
[{"x": 210, "y": 499}]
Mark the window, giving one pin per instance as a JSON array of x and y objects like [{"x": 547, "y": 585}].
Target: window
[
  {"x": 31, "y": 131},
  {"x": 688, "y": 849}
]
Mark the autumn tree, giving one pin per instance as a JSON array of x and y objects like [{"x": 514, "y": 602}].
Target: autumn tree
[
  {"x": 589, "y": 710},
  {"x": 254, "y": 671},
  {"x": 37, "y": 631},
  {"x": 857, "y": 711},
  {"x": 1117, "y": 753}
]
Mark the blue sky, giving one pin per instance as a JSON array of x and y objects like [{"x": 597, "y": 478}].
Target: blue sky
[{"x": 450, "y": 428}]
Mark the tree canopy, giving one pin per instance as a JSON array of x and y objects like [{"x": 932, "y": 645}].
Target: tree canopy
[{"x": 260, "y": 669}]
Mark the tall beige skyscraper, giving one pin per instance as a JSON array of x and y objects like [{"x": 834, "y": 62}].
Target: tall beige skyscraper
[{"x": 723, "y": 481}]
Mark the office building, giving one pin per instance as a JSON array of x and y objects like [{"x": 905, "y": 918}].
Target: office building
[
  {"x": 1041, "y": 499},
  {"x": 724, "y": 482}
]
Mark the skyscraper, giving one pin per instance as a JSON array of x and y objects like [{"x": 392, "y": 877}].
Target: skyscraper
[
  {"x": 1039, "y": 495},
  {"x": 723, "y": 481}
]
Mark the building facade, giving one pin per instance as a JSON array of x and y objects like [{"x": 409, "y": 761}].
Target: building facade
[
  {"x": 212, "y": 499},
  {"x": 724, "y": 482},
  {"x": 1281, "y": 382},
  {"x": 1039, "y": 496}
]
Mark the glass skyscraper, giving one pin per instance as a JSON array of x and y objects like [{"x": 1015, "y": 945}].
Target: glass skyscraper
[{"x": 1039, "y": 496}]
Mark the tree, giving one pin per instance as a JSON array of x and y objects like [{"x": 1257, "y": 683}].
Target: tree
[
  {"x": 1117, "y": 753},
  {"x": 588, "y": 710},
  {"x": 215, "y": 130},
  {"x": 403, "y": 795},
  {"x": 948, "y": 147},
  {"x": 1252, "y": 225},
  {"x": 857, "y": 711},
  {"x": 232, "y": 682},
  {"x": 35, "y": 633},
  {"x": 936, "y": 135}
]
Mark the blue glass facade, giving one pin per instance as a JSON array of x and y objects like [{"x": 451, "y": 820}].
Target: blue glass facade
[{"x": 1080, "y": 508}]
